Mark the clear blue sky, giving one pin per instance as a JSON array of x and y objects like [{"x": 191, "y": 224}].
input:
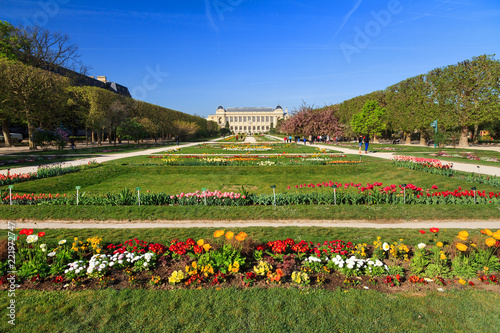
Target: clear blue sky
[{"x": 260, "y": 53}]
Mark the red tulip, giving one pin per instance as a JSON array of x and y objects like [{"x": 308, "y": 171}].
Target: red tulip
[
  {"x": 434, "y": 230},
  {"x": 422, "y": 232},
  {"x": 41, "y": 234}
]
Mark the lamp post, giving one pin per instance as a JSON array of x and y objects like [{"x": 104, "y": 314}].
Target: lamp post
[
  {"x": 434, "y": 125},
  {"x": 10, "y": 194}
]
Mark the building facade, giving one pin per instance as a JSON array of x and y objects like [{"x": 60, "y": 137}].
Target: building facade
[{"x": 249, "y": 120}]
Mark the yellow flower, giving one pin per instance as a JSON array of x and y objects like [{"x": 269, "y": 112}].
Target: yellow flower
[
  {"x": 462, "y": 281},
  {"x": 200, "y": 242},
  {"x": 443, "y": 257},
  {"x": 496, "y": 235},
  {"x": 206, "y": 247},
  {"x": 194, "y": 264},
  {"x": 461, "y": 247},
  {"x": 462, "y": 235},
  {"x": 218, "y": 233},
  {"x": 490, "y": 241},
  {"x": 229, "y": 235},
  {"x": 439, "y": 244}
]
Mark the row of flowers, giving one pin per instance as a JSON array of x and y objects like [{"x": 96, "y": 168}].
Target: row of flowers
[
  {"x": 43, "y": 172},
  {"x": 466, "y": 155},
  {"x": 429, "y": 165},
  {"x": 333, "y": 193},
  {"x": 229, "y": 255}
]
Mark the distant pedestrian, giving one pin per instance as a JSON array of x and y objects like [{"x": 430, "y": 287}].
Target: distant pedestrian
[
  {"x": 360, "y": 141},
  {"x": 236, "y": 137},
  {"x": 290, "y": 139},
  {"x": 177, "y": 139},
  {"x": 285, "y": 139},
  {"x": 305, "y": 140},
  {"x": 367, "y": 142}
]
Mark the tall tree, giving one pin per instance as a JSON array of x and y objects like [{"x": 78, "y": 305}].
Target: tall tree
[{"x": 369, "y": 120}]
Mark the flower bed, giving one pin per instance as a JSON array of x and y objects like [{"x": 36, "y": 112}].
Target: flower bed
[
  {"x": 424, "y": 164},
  {"x": 229, "y": 258},
  {"x": 333, "y": 193}
]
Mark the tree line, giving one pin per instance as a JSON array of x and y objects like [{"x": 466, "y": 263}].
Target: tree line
[
  {"x": 462, "y": 97},
  {"x": 30, "y": 93}
]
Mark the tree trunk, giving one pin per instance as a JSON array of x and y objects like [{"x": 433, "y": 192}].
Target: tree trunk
[
  {"x": 86, "y": 137},
  {"x": 6, "y": 133},
  {"x": 422, "y": 139},
  {"x": 109, "y": 137},
  {"x": 99, "y": 138},
  {"x": 93, "y": 136},
  {"x": 31, "y": 131},
  {"x": 463, "y": 137},
  {"x": 476, "y": 130},
  {"x": 407, "y": 139}
]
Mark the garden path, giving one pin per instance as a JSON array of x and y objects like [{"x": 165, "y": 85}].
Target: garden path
[{"x": 53, "y": 224}]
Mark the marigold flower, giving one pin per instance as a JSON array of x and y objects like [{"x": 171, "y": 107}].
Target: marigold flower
[
  {"x": 461, "y": 247},
  {"x": 462, "y": 235},
  {"x": 490, "y": 241},
  {"x": 218, "y": 233},
  {"x": 229, "y": 235}
]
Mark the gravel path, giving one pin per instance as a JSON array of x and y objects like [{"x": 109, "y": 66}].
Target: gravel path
[{"x": 480, "y": 224}]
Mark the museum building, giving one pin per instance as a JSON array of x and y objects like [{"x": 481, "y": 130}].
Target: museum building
[{"x": 249, "y": 120}]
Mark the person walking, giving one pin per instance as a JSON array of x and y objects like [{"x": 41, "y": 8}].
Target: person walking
[
  {"x": 305, "y": 140},
  {"x": 289, "y": 139},
  {"x": 360, "y": 141},
  {"x": 367, "y": 142}
]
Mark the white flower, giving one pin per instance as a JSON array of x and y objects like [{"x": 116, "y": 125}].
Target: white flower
[
  {"x": 62, "y": 241},
  {"x": 32, "y": 238},
  {"x": 145, "y": 264},
  {"x": 43, "y": 247},
  {"x": 51, "y": 254},
  {"x": 386, "y": 247},
  {"x": 421, "y": 246}
]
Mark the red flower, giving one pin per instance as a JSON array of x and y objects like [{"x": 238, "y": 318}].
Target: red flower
[
  {"x": 422, "y": 232},
  {"x": 471, "y": 283},
  {"x": 29, "y": 232},
  {"x": 23, "y": 232},
  {"x": 434, "y": 230},
  {"x": 58, "y": 279},
  {"x": 41, "y": 234}
]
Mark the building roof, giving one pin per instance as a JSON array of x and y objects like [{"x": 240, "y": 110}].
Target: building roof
[{"x": 247, "y": 109}]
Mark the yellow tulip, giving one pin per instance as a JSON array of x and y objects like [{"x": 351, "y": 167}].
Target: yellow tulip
[
  {"x": 490, "y": 241},
  {"x": 463, "y": 235},
  {"x": 218, "y": 233}
]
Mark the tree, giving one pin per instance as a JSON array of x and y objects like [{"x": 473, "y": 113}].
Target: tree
[
  {"x": 309, "y": 121},
  {"x": 9, "y": 41},
  {"x": 185, "y": 129},
  {"x": 38, "y": 96},
  {"x": 45, "y": 49},
  {"x": 369, "y": 120},
  {"x": 467, "y": 93},
  {"x": 131, "y": 130}
]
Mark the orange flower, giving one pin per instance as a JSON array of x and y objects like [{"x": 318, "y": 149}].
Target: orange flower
[
  {"x": 487, "y": 232},
  {"x": 490, "y": 241},
  {"x": 229, "y": 235},
  {"x": 461, "y": 247},
  {"x": 496, "y": 235},
  {"x": 218, "y": 233},
  {"x": 462, "y": 235},
  {"x": 200, "y": 242},
  {"x": 241, "y": 236},
  {"x": 206, "y": 247}
]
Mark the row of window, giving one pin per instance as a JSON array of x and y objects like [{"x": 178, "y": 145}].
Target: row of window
[
  {"x": 244, "y": 128},
  {"x": 254, "y": 119}
]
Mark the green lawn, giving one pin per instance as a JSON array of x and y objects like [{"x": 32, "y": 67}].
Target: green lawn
[
  {"x": 258, "y": 148},
  {"x": 252, "y": 310}
]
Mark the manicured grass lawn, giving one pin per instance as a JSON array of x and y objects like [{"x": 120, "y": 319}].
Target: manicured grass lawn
[
  {"x": 252, "y": 310},
  {"x": 239, "y": 148}
]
